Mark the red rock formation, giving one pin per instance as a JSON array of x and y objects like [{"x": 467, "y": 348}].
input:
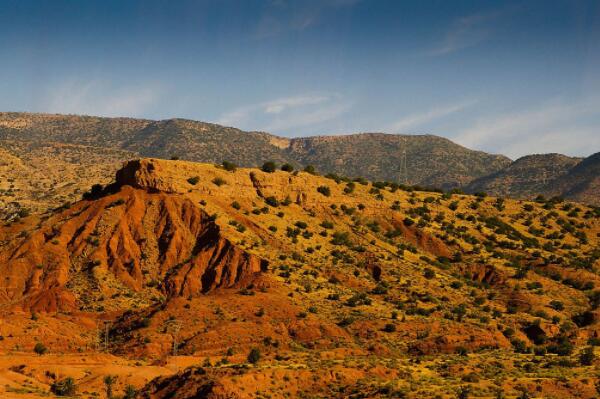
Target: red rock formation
[{"x": 133, "y": 235}]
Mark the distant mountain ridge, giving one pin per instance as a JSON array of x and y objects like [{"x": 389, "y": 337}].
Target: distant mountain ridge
[
  {"x": 577, "y": 179},
  {"x": 431, "y": 161}
]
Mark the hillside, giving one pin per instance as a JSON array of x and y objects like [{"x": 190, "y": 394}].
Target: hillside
[
  {"x": 582, "y": 183},
  {"x": 546, "y": 174},
  {"x": 360, "y": 288},
  {"x": 430, "y": 160}
]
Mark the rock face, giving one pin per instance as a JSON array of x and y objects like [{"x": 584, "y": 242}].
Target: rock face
[
  {"x": 190, "y": 384},
  {"x": 131, "y": 239}
]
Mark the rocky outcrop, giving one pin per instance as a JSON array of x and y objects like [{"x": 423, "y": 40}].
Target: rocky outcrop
[
  {"x": 131, "y": 238},
  {"x": 191, "y": 383}
]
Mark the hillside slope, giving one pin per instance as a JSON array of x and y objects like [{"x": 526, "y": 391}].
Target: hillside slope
[
  {"x": 357, "y": 287},
  {"x": 547, "y": 174},
  {"x": 431, "y": 161}
]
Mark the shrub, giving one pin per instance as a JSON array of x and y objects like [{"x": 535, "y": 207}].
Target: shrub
[
  {"x": 286, "y": 167},
  {"x": 218, "y": 181},
  {"x": 254, "y": 356},
  {"x": 236, "y": 205},
  {"x": 587, "y": 356},
  {"x": 269, "y": 167},
  {"x": 272, "y": 201},
  {"x": 40, "y": 348},
  {"x": 230, "y": 166},
  {"x": 327, "y": 224},
  {"x": 324, "y": 190},
  {"x": 349, "y": 188},
  {"x": 340, "y": 238},
  {"x": 64, "y": 387},
  {"x": 130, "y": 392},
  {"x": 557, "y": 305},
  {"x": 310, "y": 169},
  {"x": 429, "y": 273},
  {"x": 300, "y": 224},
  {"x": 389, "y": 328},
  {"x": 109, "y": 381},
  {"x": 519, "y": 345},
  {"x": 193, "y": 180}
]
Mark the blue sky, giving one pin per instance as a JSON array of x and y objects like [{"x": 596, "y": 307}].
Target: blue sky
[{"x": 513, "y": 77}]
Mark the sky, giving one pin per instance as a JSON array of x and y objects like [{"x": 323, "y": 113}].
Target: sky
[{"x": 510, "y": 77}]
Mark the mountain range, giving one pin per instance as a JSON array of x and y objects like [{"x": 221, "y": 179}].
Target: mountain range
[{"x": 41, "y": 149}]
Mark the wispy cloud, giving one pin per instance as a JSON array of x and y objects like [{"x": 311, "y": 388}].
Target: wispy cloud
[
  {"x": 467, "y": 31},
  {"x": 287, "y": 16},
  {"x": 98, "y": 97},
  {"x": 558, "y": 126},
  {"x": 421, "y": 118},
  {"x": 287, "y": 113}
]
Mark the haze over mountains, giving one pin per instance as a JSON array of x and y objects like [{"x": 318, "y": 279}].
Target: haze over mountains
[{"x": 44, "y": 148}]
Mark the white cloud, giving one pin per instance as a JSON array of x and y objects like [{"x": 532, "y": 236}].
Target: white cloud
[
  {"x": 286, "y": 113},
  {"x": 277, "y": 106},
  {"x": 467, "y": 31},
  {"x": 288, "y": 16},
  {"x": 308, "y": 118},
  {"x": 419, "y": 119},
  {"x": 557, "y": 126},
  {"x": 97, "y": 97}
]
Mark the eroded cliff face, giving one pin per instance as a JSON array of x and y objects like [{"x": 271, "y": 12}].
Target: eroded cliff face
[{"x": 132, "y": 240}]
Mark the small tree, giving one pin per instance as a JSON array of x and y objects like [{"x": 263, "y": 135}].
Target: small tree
[
  {"x": 587, "y": 356},
  {"x": 130, "y": 392},
  {"x": 310, "y": 169},
  {"x": 109, "y": 381},
  {"x": 218, "y": 181},
  {"x": 464, "y": 392},
  {"x": 229, "y": 166},
  {"x": 40, "y": 348},
  {"x": 326, "y": 191},
  {"x": 254, "y": 356},
  {"x": 193, "y": 180},
  {"x": 269, "y": 167},
  {"x": 286, "y": 167}
]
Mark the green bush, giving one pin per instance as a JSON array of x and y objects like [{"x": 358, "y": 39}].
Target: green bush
[
  {"x": 272, "y": 201},
  {"x": 310, "y": 169},
  {"x": 326, "y": 191},
  {"x": 193, "y": 180},
  {"x": 269, "y": 167},
  {"x": 64, "y": 387},
  {"x": 229, "y": 166},
  {"x": 40, "y": 348},
  {"x": 587, "y": 356},
  {"x": 218, "y": 181},
  {"x": 286, "y": 167},
  {"x": 254, "y": 356}
]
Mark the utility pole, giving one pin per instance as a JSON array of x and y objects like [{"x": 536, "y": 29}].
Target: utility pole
[
  {"x": 106, "y": 328},
  {"x": 403, "y": 164},
  {"x": 102, "y": 334},
  {"x": 174, "y": 326}
]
